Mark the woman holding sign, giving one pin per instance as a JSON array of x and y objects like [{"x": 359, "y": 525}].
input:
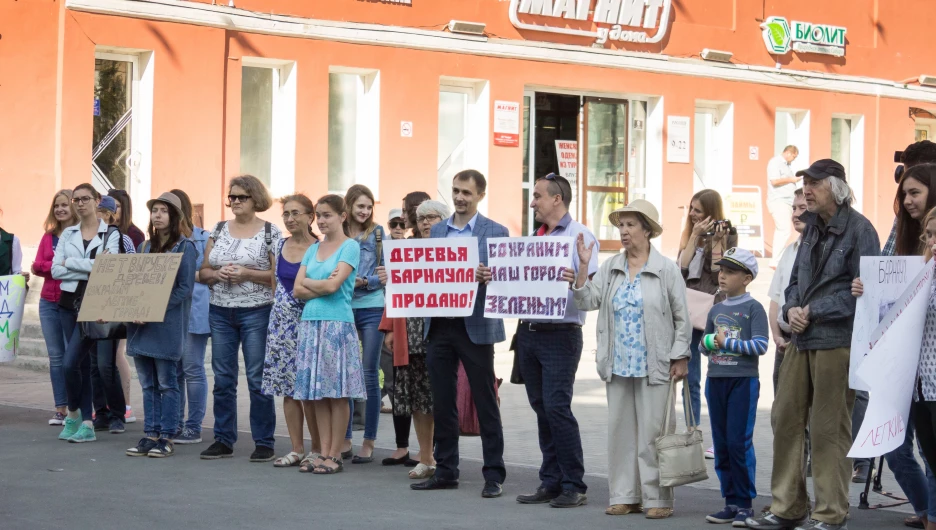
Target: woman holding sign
[
  {"x": 367, "y": 306},
  {"x": 157, "y": 347},
  {"x": 643, "y": 343},
  {"x": 328, "y": 366}
]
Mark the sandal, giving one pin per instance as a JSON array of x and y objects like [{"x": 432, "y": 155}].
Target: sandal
[
  {"x": 308, "y": 464},
  {"x": 623, "y": 509},
  {"x": 659, "y": 513},
  {"x": 322, "y": 469},
  {"x": 914, "y": 522},
  {"x": 422, "y": 471},
  {"x": 291, "y": 459}
]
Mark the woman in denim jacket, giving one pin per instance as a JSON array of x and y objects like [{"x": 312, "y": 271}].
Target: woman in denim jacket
[
  {"x": 156, "y": 347},
  {"x": 368, "y": 305}
]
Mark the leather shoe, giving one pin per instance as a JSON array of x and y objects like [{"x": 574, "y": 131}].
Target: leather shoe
[
  {"x": 492, "y": 489},
  {"x": 435, "y": 483},
  {"x": 569, "y": 499},
  {"x": 542, "y": 496}
]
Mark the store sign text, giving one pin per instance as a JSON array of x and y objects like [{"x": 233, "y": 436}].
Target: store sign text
[
  {"x": 612, "y": 20},
  {"x": 803, "y": 37}
]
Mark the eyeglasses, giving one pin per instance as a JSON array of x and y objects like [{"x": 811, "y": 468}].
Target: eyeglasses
[
  {"x": 429, "y": 217},
  {"x": 559, "y": 180},
  {"x": 293, "y": 214},
  {"x": 238, "y": 198},
  {"x": 397, "y": 224},
  {"x": 82, "y": 200}
]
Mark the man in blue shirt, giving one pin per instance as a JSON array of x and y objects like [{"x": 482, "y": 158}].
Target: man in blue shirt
[
  {"x": 549, "y": 353},
  {"x": 469, "y": 340}
]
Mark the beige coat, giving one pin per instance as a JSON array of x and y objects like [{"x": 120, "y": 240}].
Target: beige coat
[{"x": 666, "y": 313}]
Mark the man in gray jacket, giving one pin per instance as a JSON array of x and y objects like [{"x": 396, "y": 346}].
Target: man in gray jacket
[{"x": 814, "y": 376}]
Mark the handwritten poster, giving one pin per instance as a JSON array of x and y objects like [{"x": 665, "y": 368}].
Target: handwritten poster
[
  {"x": 885, "y": 279},
  {"x": 431, "y": 277},
  {"x": 12, "y": 302},
  {"x": 890, "y": 369},
  {"x": 129, "y": 287},
  {"x": 527, "y": 277}
]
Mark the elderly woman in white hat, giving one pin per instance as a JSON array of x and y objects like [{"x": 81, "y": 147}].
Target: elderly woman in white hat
[{"x": 643, "y": 342}]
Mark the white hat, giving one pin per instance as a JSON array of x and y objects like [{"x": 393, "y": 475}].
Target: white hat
[
  {"x": 646, "y": 210},
  {"x": 394, "y": 213}
]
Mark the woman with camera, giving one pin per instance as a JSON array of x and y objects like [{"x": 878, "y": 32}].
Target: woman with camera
[{"x": 706, "y": 236}]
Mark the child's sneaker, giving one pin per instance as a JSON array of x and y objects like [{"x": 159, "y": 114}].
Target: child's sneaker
[
  {"x": 163, "y": 449},
  {"x": 142, "y": 447},
  {"x": 187, "y": 436},
  {"x": 726, "y": 515},
  {"x": 85, "y": 434},
  {"x": 710, "y": 453},
  {"x": 743, "y": 513},
  {"x": 71, "y": 427},
  {"x": 129, "y": 417}
]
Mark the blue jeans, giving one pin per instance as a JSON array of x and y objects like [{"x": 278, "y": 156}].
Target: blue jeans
[
  {"x": 245, "y": 328},
  {"x": 191, "y": 371},
  {"x": 694, "y": 379},
  {"x": 52, "y": 320},
  {"x": 919, "y": 488},
  {"x": 367, "y": 320},
  {"x": 160, "y": 395},
  {"x": 76, "y": 366}
]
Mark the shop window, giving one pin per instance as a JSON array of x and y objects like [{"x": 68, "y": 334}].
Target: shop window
[
  {"x": 791, "y": 127},
  {"x": 353, "y": 129},
  {"x": 463, "y": 132},
  {"x": 637, "y": 151},
  {"x": 122, "y": 124},
  {"x": 847, "y": 148},
  {"x": 268, "y": 122}
]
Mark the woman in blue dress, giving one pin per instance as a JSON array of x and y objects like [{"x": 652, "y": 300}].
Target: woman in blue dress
[{"x": 328, "y": 365}]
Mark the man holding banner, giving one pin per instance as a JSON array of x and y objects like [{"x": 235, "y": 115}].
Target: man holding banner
[
  {"x": 469, "y": 340},
  {"x": 549, "y": 353},
  {"x": 813, "y": 382}
]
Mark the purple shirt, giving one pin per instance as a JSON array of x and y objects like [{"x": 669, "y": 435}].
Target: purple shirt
[{"x": 568, "y": 227}]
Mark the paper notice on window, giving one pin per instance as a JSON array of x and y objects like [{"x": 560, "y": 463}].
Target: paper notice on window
[{"x": 507, "y": 123}]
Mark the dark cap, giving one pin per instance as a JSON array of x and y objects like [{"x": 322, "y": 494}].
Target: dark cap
[{"x": 824, "y": 168}]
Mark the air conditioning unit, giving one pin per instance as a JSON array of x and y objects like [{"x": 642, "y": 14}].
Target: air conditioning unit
[
  {"x": 928, "y": 80},
  {"x": 717, "y": 55},
  {"x": 467, "y": 28}
]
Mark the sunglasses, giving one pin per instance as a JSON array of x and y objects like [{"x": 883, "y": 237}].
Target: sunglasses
[
  {"x": 898, "y": 173},
  {"x": 397, "y": 224},
  {"x": 559, "y": 180},
  {"x": 238, "y": 198},
  {"x": 81, "y": 200}
]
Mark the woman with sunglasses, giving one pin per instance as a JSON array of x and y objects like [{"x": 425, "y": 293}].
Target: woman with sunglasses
[
  {"x": 279, "y": 366},
  {"x": 71, "y": 264},
  {"x": 239, "y": 271}
]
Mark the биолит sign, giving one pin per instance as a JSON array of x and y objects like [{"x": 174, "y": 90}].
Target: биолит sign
[
  {"x": 781, "y": 36},
  {"x": 431, "y": 277},
  {"x": 526, "y": 277}
]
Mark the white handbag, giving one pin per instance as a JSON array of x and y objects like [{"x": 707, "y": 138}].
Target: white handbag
[
  {"x": 681, "y": 456},
  {"x": 699, "y": 305}
]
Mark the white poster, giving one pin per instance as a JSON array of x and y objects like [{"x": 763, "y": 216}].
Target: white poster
[
  {"x": 745, "y": 211},
  {"x": 431, "y": 277},
  {"x": 526, "y": 277},
  {"x": 885, "y": 279},
  {"x": 12, "y": 302},
  {"x": 677, "y": 148},
  {"x": 507, "y": 123},
  {"x": 567, "y": 157},
  {"x": 890, "y": 370}
]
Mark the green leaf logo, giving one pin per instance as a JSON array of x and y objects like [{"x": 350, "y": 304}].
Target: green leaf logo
[{"x": 776, "y": 33}]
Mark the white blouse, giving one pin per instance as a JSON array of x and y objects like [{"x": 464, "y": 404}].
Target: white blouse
[
  {"x": 927, "y": 369},
  {"x": 249, "y": 253}
]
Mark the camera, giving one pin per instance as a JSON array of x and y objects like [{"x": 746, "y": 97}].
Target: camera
[{"x": 725, "y": 226}]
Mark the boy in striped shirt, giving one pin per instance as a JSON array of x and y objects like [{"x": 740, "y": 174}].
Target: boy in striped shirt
[{"x": 735, "y": 337}]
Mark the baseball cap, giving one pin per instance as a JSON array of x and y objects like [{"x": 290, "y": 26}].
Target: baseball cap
[
  {"x": 108, "y": 203},
  {"x": 394, "y": 213},
  {"x": 821, "y": 169},
  {"x": 740, "y": 260}
]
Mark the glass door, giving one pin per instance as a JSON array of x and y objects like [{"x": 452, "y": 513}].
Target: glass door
[
  {"x": 606, "y": 172},
  {"x": 113, "y": 115}
]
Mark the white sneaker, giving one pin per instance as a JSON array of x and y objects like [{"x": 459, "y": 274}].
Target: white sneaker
[
  {"x": 710, "y": 453},
  {"x": 130, "y": 418}
]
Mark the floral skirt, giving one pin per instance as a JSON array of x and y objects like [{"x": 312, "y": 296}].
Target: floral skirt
[
  {"x": 279, "y": 364},
  {"x": 411, "y": 389},
  {"x": 328, "y": 363}
]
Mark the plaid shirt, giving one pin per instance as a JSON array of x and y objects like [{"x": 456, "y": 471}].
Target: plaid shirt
[{"x": 890, "y": 247}]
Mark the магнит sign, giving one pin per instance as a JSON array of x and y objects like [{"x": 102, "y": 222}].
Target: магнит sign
[{"x": 611, "y": 20}]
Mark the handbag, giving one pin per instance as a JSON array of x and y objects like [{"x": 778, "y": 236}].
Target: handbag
[
  {"x": 105, "y": 331},
  {"x": 681, "y": 455},
  {"x": 699, "y": 306}
]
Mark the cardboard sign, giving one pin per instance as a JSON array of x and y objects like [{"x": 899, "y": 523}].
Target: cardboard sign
[
  {"x": 507, "y": 123},
  {"x": 431, "y": 277},
  {"x": 527, "y": 277},
  {"x": 128, "y": 287},
  {"x": 890, "y": 370},
  {"x": 746, "y": 214},
  {"x": 12, "y": 302},
  {"x": 885, "y": 279}
]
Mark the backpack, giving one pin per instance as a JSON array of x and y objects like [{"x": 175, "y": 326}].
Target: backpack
[{"x": 121, "y": 248}]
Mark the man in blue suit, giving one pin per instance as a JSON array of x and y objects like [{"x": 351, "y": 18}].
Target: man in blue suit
[{"x": 469, "y": 340}]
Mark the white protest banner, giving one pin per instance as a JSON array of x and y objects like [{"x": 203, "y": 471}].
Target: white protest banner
[
  {"x": 128, "y": 287},
  {"x": 890, "y": 369},
  {"x": 526, "y": 277},
  {"x": 885, "y": 279},
  {"x": 12, "y": 302},
  {"x": 431, "y": 277}
]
